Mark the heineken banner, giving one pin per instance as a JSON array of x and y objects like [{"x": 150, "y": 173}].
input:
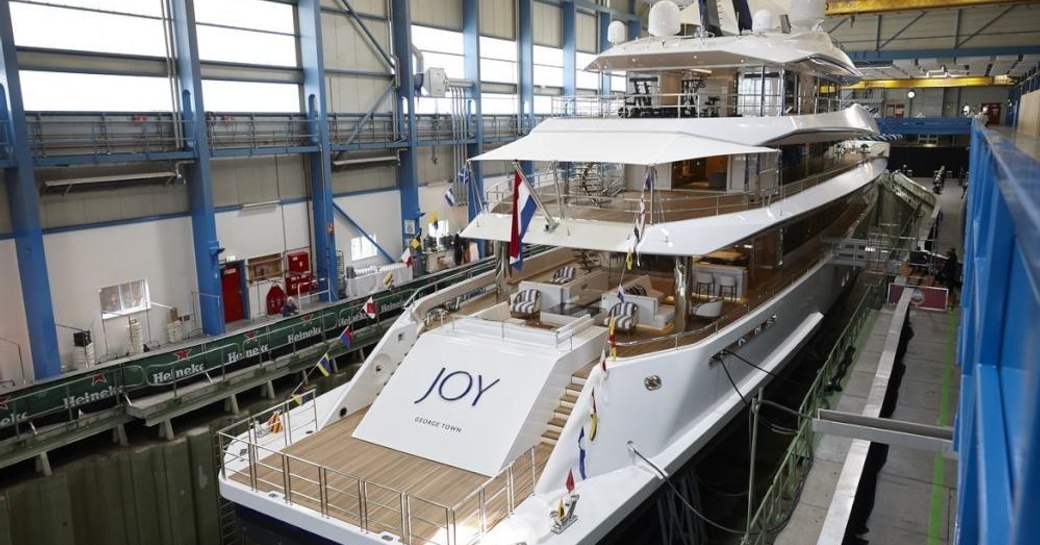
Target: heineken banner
[{"x": 108, "y": 382}]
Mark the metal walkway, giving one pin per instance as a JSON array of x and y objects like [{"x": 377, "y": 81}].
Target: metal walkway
[{"x": 912, "y": 499}]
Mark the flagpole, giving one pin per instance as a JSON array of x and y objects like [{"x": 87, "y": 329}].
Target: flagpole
[{"x": 551, "y": 222}]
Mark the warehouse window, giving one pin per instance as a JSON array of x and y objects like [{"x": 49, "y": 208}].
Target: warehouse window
[
  {"x": 247, "y": 14},
  {"x": 70, "y": 91},
  {"x": 121, "y": 27},
  {"x": 441, "y": 49},
  {"x": 362, "y": 248},
  {"x": 587, "y": 79},
  {"x": 123, "y": 299},
  {"x": 618, "y": 83},
  {"x": 494, "y": 103},
  {"x": 548, "y": 66},
  {"x": 250, "y": 96},
  {"x": 498, "y": 60},
  {"x": 246, "y": 31}
]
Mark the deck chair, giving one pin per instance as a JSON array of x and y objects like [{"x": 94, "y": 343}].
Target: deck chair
[
  {"x": 562, "y": 275},
  {"x": 526, "y": 305},
  {"x": 625, "y": 315}
]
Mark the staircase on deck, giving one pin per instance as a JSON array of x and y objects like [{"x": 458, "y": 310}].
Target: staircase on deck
[{"x": 567, "y": 401}]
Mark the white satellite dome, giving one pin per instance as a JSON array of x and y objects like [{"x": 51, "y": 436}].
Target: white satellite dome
[
  {"x": 806, "y": 15},
  {"x": 617, "y": 32},
  {"x": 664, "y": 19},
  {"x": 762, "y": 21}
]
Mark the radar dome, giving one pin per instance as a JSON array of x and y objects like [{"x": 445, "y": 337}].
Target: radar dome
[
  {"x": 762, "y": 21},
  {"x": 807, "y": 15},
  {"x": 616, "y": 32},
  {"x": 664, "y": 19}
]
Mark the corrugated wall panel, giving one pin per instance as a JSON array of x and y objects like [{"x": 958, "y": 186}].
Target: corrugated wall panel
[
  {"x": 586, "y": 32},
  {"x": 438, "y": 13},
  {"x": 346, "y": 48},
  {"x": 546, "y": 27},
  {"x": 497, "y": 18},
  {"x": 257, "y": 179},
  {"x": 364, "y": 179},
  {"x": 430, "y": 172}
]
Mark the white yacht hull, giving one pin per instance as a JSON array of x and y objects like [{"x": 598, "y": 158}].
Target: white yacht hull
[{"x": 669, "y": 425}]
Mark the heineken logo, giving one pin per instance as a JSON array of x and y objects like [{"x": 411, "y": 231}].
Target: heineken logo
[
  {"x": 307, "y": 317},
  {"x": 305, "y": 334},
  {"x": 97, "y": 378},
  {"x": 182, "y": 354},
  {"x": 350, "y": 320},
  {"x": 247, "y": 353},
  {"x": 250, "y": 335},
  {"x": 72, "y": 402},
  {"x": 163, "y": 377},
  {"x": 13, "y": 418}
]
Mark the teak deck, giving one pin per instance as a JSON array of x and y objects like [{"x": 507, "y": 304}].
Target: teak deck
[{"x": 388, "y": 474}]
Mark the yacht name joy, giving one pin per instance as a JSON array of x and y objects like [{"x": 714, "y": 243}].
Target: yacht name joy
[{"x": 494, "y": 402}]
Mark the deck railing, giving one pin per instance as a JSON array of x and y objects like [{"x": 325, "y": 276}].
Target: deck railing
[
  {"x": 662, "y": 206},
  {"x": 252, "y": 453},
  {"x": 692, "y": 105},
  {"x": 776, "y": 504}
]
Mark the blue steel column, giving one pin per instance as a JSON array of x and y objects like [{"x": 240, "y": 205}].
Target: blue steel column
[
  {"x": 407, "y": 173},
  {"x": 568, "y": 22},
  {"x": 604, "y": 44},
  {"x": 200, "y": 183},
  {"x": 634, "y": 28},
  {"x": 24, "y": 204},
  {"x": 319, "y": 162},
  {"x": 525, "y": 80},
  {"x": 471, "y": 52}
]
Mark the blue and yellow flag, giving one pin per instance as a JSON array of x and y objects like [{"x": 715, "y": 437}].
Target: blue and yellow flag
[{"x": 325, "y": 365}]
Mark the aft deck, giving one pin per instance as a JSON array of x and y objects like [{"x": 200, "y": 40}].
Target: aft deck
[{"x": 379, "y": 490}]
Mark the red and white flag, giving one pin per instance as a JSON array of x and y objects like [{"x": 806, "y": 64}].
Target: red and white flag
[{"x": 370, "y": 308}]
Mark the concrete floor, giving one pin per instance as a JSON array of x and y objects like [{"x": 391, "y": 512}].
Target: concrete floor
[{"x": 916, "y": 490}]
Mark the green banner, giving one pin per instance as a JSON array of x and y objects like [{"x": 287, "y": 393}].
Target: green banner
[{"x": 214, "y": 356}]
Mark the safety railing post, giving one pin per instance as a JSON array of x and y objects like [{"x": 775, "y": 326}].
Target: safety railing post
[
  {"x": 323, "y": 490},
  {"x": 286, "y": 479}
]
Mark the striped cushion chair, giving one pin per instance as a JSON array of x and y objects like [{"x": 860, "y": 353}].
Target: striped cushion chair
[
  {"x": 562, "y": 275},
  {"x": 635, "y": 289},
  {"x": 626, "y": 314},
  {"x": 526, "y": 304}
]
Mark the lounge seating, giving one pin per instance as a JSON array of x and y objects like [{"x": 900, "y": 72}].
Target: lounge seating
[
  {"x": 526, "y": 305},
  {"x": 625, "y": 315},
  {"x": 562, "y": 275},
  {"x": 711, "y": 309}
]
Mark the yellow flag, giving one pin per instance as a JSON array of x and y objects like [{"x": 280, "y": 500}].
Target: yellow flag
[
  {"x": 433, "y": 217},
  {"x": 415, "y": 243},
  {"x": 628, "y": 260}
]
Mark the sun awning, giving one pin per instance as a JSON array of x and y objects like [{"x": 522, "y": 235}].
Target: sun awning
[{"x": 605, "y": 141}]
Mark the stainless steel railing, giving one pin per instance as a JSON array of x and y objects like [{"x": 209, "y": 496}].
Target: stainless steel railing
[
  {"x": 692, "y": 105},
  {"x": 252, "y": 453}
]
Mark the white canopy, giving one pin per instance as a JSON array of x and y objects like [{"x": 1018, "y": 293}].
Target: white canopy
[{"x": 606, "y": 141}]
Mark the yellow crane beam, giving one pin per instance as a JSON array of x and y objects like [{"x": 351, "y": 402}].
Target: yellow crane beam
[
  {"x": 857, "y": 7},
  {"x": 911, "y": 83}
]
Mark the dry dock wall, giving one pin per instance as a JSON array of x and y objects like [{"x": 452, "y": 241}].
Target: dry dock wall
[{"x": 164, "y": 494}]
